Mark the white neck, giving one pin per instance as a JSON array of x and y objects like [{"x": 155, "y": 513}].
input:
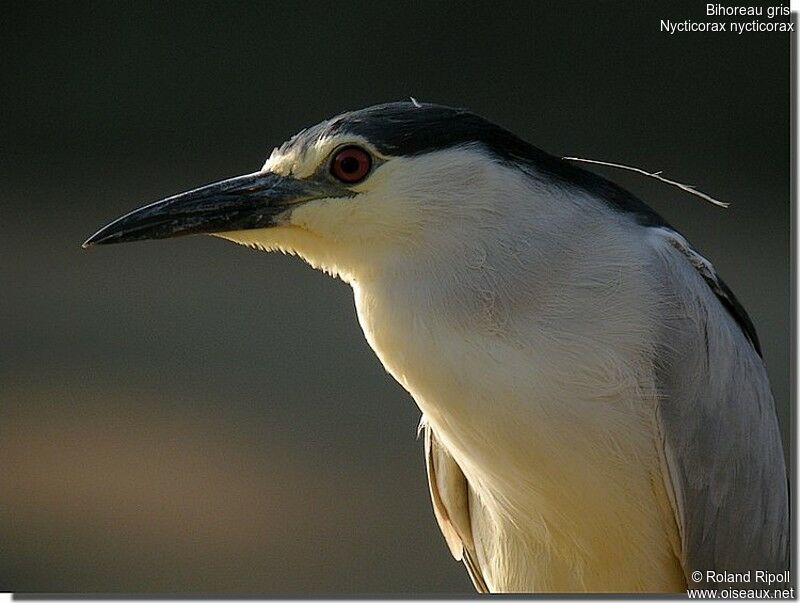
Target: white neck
[
  {"x": 513, "y": 311},
  {"x": 537, "y": 399}
]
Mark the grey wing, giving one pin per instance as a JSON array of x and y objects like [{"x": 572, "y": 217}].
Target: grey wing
[
  {"x": 722, "y": 452},
  {"x": 450, "y": 494}
]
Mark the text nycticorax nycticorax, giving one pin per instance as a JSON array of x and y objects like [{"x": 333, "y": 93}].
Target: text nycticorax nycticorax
[{"x": 596, "y": 412}]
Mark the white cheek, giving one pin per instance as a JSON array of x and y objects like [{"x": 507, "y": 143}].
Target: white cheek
[{"x": 331, "y": 219}]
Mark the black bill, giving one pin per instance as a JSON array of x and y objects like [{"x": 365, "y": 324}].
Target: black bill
[{"x": 241, "y": 203}]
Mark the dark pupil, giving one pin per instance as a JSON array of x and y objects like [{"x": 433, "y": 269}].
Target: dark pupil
[{"x": 350, "y": 165}]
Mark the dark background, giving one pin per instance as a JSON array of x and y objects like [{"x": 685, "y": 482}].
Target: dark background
[{"x": 193, "y": 416}]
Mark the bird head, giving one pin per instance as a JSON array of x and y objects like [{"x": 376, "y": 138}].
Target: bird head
[{"x": 385, "y": 183}]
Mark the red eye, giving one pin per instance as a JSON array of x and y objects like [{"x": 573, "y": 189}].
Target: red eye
[{"x": 351, "y": 165}]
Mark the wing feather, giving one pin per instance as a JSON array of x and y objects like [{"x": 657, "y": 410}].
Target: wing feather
[
  {"x": 723, "y": 459},
  {"x": 450, "y": 494}
]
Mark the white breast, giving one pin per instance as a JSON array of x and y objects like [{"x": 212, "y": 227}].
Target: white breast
[{"x": 549, "y": 411}]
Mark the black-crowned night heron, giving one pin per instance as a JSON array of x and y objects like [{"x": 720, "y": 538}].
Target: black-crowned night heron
[{"x": 596, "y": 412}]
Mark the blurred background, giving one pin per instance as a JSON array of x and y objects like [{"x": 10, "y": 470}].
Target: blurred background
[{"x": 193, "y": 416}]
